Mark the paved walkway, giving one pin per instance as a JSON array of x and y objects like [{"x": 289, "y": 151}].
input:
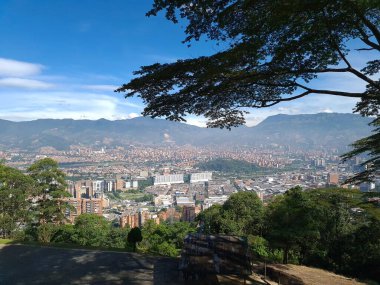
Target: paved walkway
[
  {"x": 24, "y": 265},
  {"x": 21, "y": 264}
]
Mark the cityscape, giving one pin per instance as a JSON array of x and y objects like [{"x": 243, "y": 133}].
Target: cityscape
[
  {"x": 190, "y": 142},
  {"x": 173, "y": 185}
]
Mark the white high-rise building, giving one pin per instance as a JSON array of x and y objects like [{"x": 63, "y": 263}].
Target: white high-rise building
[
  {"x": 168, "y": 179},
  {"x": 98, "y": 186},
  {"x": 201, "y": 177}
]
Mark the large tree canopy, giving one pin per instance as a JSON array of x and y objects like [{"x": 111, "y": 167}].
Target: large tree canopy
[{"x": 272, "y": 51}]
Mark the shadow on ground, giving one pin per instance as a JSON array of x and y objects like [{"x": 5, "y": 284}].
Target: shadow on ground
[
  {"x": 22, "y": 264},
  {"x": 25, "y": 264}
]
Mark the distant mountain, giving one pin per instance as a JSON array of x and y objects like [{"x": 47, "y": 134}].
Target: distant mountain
[{"x": 309, "y": 131}]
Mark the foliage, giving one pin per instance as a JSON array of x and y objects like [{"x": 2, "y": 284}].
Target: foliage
[
  {"x": 271, "y": 51},
  {"x": 291, "y": 222},
  {"x": 91, "y": 230},
  {"x": 165, "y": 239},
  {"x": 64, "y": 234},
  {"x": 228, "y": 165},
  {"x": 210, "y": 220},
  {"x": 370, "y": 146},
  {"x": 145, "y": 198},
  {"x": 336, "y": 229},
  {"x": 46, "y": 232},
  {"x": 117, "y": 238},
  {"x": 241, "y": 214},
  {"x": 134, "y": 236},
  {"x": 15, "y": 188},
  {"x": 51, "y": 189},
  {"x": 145, "y": 183},
  {"x": 259, "y": 246}
]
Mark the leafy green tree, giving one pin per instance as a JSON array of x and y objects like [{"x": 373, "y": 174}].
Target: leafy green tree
[
  {"x": 338, "y": 224},
  {"x": 51, "y": 191},
  {"x": 134, "y": 236},
  {"x": 46, "y": 232},
  {"x": 270, "y": 52},
  {"x": 64, "y": 234},
  {"x": 15, "y": 189},
  {"x": 117, "y": 238},
  {"x": 167, "y": 249},
  {"x": 293, "y": 223},
  {"x": 336, "y": 218},
  {"x": 210, "y": 220},
  {"x": 91, "y": 230},
  {"x": 259, "y": 246},
  {"x": 165, "y": 238},
  {"x": 365, "y": 251},
  {"x": 369, "y": 145},
  {"x": 242, "y": 214}
]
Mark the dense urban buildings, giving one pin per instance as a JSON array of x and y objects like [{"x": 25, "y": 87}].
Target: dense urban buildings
[{"x": 143, "y": 183}]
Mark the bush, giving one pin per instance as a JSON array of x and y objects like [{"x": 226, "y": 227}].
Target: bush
[
  {"x": 117, "y": 238},
  {"x": 18, "y": 235},
  {"x": 64, "y": 234},
  {"x": 91, "y": 230},
  {"x": 45, "y": 232}
]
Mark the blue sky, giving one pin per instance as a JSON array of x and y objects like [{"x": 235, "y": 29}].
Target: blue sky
[{"x": 64, "y": 58}]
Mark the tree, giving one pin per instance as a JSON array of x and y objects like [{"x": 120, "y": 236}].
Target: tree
[
  {"x": 271, "y": 51},
  {"x": 91, "y": 230},
  {"x": 210, "y": 220},
  {"x": 241, "y": 214},
  {"x": 292, "y": 221},
  {"x": 134, "y": 236},
  {"x": 117, "y": 238},
  {"x": 51, "y": 191},
  {"x": 371, "y": 146},
  {"x": 15, "y": 188}
]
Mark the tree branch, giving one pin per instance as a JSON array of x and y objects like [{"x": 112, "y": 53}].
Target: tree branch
[
  {"x": 364, "y": 49},
  {"x": 363, "y": 77},
  {"x": 365, "y": 39},
  {"x": 371, "y": 27},
  {"x": 351, "y": 69},
  {"x": 338, "y": 93}
]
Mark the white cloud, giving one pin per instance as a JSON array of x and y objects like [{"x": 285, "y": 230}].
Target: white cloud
[
  {"x": 133, "y": 115},
  {"x": 10, "y": 67},
  {"x": 125, "y": 116},
  {"x": 327, "y": 110},
  {"x": 13, "y": 82},
  {"x": 161, "y": 58},
  {"x": 100, "y": 87},
  {"x": 253, "y": 121},
  {"x": 196, "y": 121},
  {"x": 31, "y": 105}
]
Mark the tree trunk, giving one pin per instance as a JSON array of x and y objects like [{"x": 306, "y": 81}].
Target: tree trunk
[{"x": 286, "y": 255}]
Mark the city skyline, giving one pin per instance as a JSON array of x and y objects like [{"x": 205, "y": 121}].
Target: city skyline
[{"x": 64, "y": 61}]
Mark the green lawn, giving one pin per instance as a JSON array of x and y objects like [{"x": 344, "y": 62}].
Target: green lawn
[
  {"x": 5, "y": 241},
  {"x": 131, "y": 196}
]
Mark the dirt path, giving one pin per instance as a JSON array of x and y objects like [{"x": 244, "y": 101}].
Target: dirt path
[{"x": 314, "y": 276}]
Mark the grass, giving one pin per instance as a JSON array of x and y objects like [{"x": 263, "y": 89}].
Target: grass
[
  {"x": 131, "y": 196},
  {"x": 64, "y": 245},
  {"x": 75, "y": 246},
  {"x": 5, "y": 241}
]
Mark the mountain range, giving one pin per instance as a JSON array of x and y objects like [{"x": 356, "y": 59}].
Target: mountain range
[{"x": 312, "y": 131}]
